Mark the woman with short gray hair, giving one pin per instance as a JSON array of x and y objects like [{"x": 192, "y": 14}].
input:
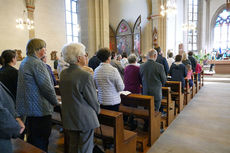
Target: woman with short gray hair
[
  {"x": 132, "y": 78},
  {"x": 80, "y": 105}
]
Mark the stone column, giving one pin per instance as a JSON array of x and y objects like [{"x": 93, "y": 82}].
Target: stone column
[
  {"x": 207, "y": 24},
  {"x": 161, "y": 28},
  {"x": 30, "y": 5},
  {"x": 95, "y": 19}
]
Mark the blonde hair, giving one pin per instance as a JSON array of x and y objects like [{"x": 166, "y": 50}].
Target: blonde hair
[
  {"x": 34, "y": 45},
  {"x": 184, "y": 56}
]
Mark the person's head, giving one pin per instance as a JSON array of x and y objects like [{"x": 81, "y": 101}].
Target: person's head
[
  {"x": 1, "y": 61},
  {"x": 184, "y": 56},
  {"x": 74, "y": 53},
  {"x": 104, "y": 55},
  {"x": 113, "y": 55},
  {"x": 119, "y": 57},
  {"x": 36, "y": 47},
  {"x": 152, "y": 54},
  {"x": 124, "y": 55},
  {"x": 158, "y": 49},
  {"x": 9, "y": 57},
  {"x": 144, "y": 58},
  {"x": 44, "y": 59},
  {"x": 132, "y": 59},
  {"x": 188, "y": 67},
  {"x": 190, "y": 53},
  {"x": 178, "y": 58},
  {"x": 170, "y": 54}
]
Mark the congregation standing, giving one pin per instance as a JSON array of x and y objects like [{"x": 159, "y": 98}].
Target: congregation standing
[{"x": 85, "y": 87}]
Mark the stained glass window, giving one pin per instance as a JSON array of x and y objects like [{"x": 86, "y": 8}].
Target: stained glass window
[
  {"x": 222, "y": 32},
  {"x": 72, "y": 23},
  {"x": 192, "y": 20}
]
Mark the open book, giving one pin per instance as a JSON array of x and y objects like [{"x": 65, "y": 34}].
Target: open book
[{"x": 126, "y": 93}]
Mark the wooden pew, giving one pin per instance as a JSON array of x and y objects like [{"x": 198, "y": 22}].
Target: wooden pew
[
  {"x": 196, "y": 82},
  {"x": 202, "y": 78},
  {"x": 20, "y": 146},
  {"x": 113, "y": 131},
  {"x": 188, "y": 92},
  {"x": 177, "y": 94},
  {"x": 146, "y": 112},
  {"x": 193, "y": 87},
  {"x": 168, "y": 104}
]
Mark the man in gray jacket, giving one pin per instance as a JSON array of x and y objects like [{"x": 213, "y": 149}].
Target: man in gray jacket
[
  {"x": 36, "y": 95},
  {"x": 153, "y": 78},
  {"x": 80, "y": 105}
]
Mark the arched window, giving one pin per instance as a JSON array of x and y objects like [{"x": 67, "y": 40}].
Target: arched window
[
  {"x": 72, "y": 22},
  {"x": 222, "y": 32},
  {"x": 192, "y": 20}
]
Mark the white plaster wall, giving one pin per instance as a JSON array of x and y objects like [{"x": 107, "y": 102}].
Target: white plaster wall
[
  {"x": 49, "y": 18},
  {"x": 130, "y": 11},
  {"x": 174, "y": 33},
  {"x": 10, "y": 36}
]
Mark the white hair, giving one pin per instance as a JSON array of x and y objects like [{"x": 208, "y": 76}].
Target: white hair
[
  {"x": 132, "y": 58},
  {"x": 71, "y": 51},
  {"x": 151, "y": 53}
]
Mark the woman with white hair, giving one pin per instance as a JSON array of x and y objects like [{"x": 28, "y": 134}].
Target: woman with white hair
[{"x": 80, "y": 106}]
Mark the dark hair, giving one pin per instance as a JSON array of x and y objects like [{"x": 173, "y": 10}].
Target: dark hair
[
  {"x": 1, "y": 62},
  {"x": 178, "y": 58},
  {"x": 158, "y": 49},
  {"x": 124, "y": 54},
  {"x": 7, "y": 56},
  {"x": 170, "y": 54},
  {"x": 103, "y": 54},
  {"x": 113, "y": 54},
  {"x": 190, "y": 53}
]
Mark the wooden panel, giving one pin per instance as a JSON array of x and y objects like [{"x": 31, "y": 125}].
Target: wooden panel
[{"x": 20, "y": 146}]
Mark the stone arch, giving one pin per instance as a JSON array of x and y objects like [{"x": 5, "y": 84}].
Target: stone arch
[{"x": 213, "y": 22}]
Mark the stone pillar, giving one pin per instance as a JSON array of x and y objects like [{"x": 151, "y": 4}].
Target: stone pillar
[
  {"x": 207, "y": 24},
  {"x": 30, "y": 5},
  {"x": 161, "y": 28},
  {"x": 95, "y": 19}
]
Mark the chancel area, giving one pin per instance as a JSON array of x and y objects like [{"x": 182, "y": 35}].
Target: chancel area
[{"x": 114, "y": 76}]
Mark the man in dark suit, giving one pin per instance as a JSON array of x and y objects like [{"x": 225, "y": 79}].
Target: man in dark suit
[
  {"x": 193, "y": 60},
  {"x": 94, "y": 62},
  {"x": 162, "y": 60},
  {"x": 153, "y": 78}
]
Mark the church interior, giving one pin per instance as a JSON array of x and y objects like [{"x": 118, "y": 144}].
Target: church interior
[{"x": 194, "y": 111}]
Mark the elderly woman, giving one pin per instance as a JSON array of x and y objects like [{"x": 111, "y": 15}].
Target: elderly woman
[
  {"x": 9, "y": 74},
  {"x": 35, "y": 94},
  {"x": 108, "y": 82},
  {"x": 132, "y": 78},
  {"x": 80, "y": 106}
]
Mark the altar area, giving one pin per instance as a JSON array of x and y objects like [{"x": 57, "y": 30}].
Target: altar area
[{"x": 221, "y": 66}]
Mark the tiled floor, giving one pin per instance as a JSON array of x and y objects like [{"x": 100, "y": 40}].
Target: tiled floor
[{"x": 203, "y": 126}]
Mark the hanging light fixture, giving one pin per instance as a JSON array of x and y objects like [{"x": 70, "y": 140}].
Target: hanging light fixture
[
  {"x": 21, "y": 23},
  {"x": 169, "y": 8},
  {"x": 189, "y": 27}
]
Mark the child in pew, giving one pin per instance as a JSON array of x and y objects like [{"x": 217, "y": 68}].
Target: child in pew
[
  {"x": 189, "y": 75},
  {"x": 198, "y": 70}
]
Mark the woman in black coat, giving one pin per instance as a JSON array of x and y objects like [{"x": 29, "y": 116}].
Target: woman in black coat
[
  {"x": 178, "y": 71},
  {"x": 9, "y": 74}
]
